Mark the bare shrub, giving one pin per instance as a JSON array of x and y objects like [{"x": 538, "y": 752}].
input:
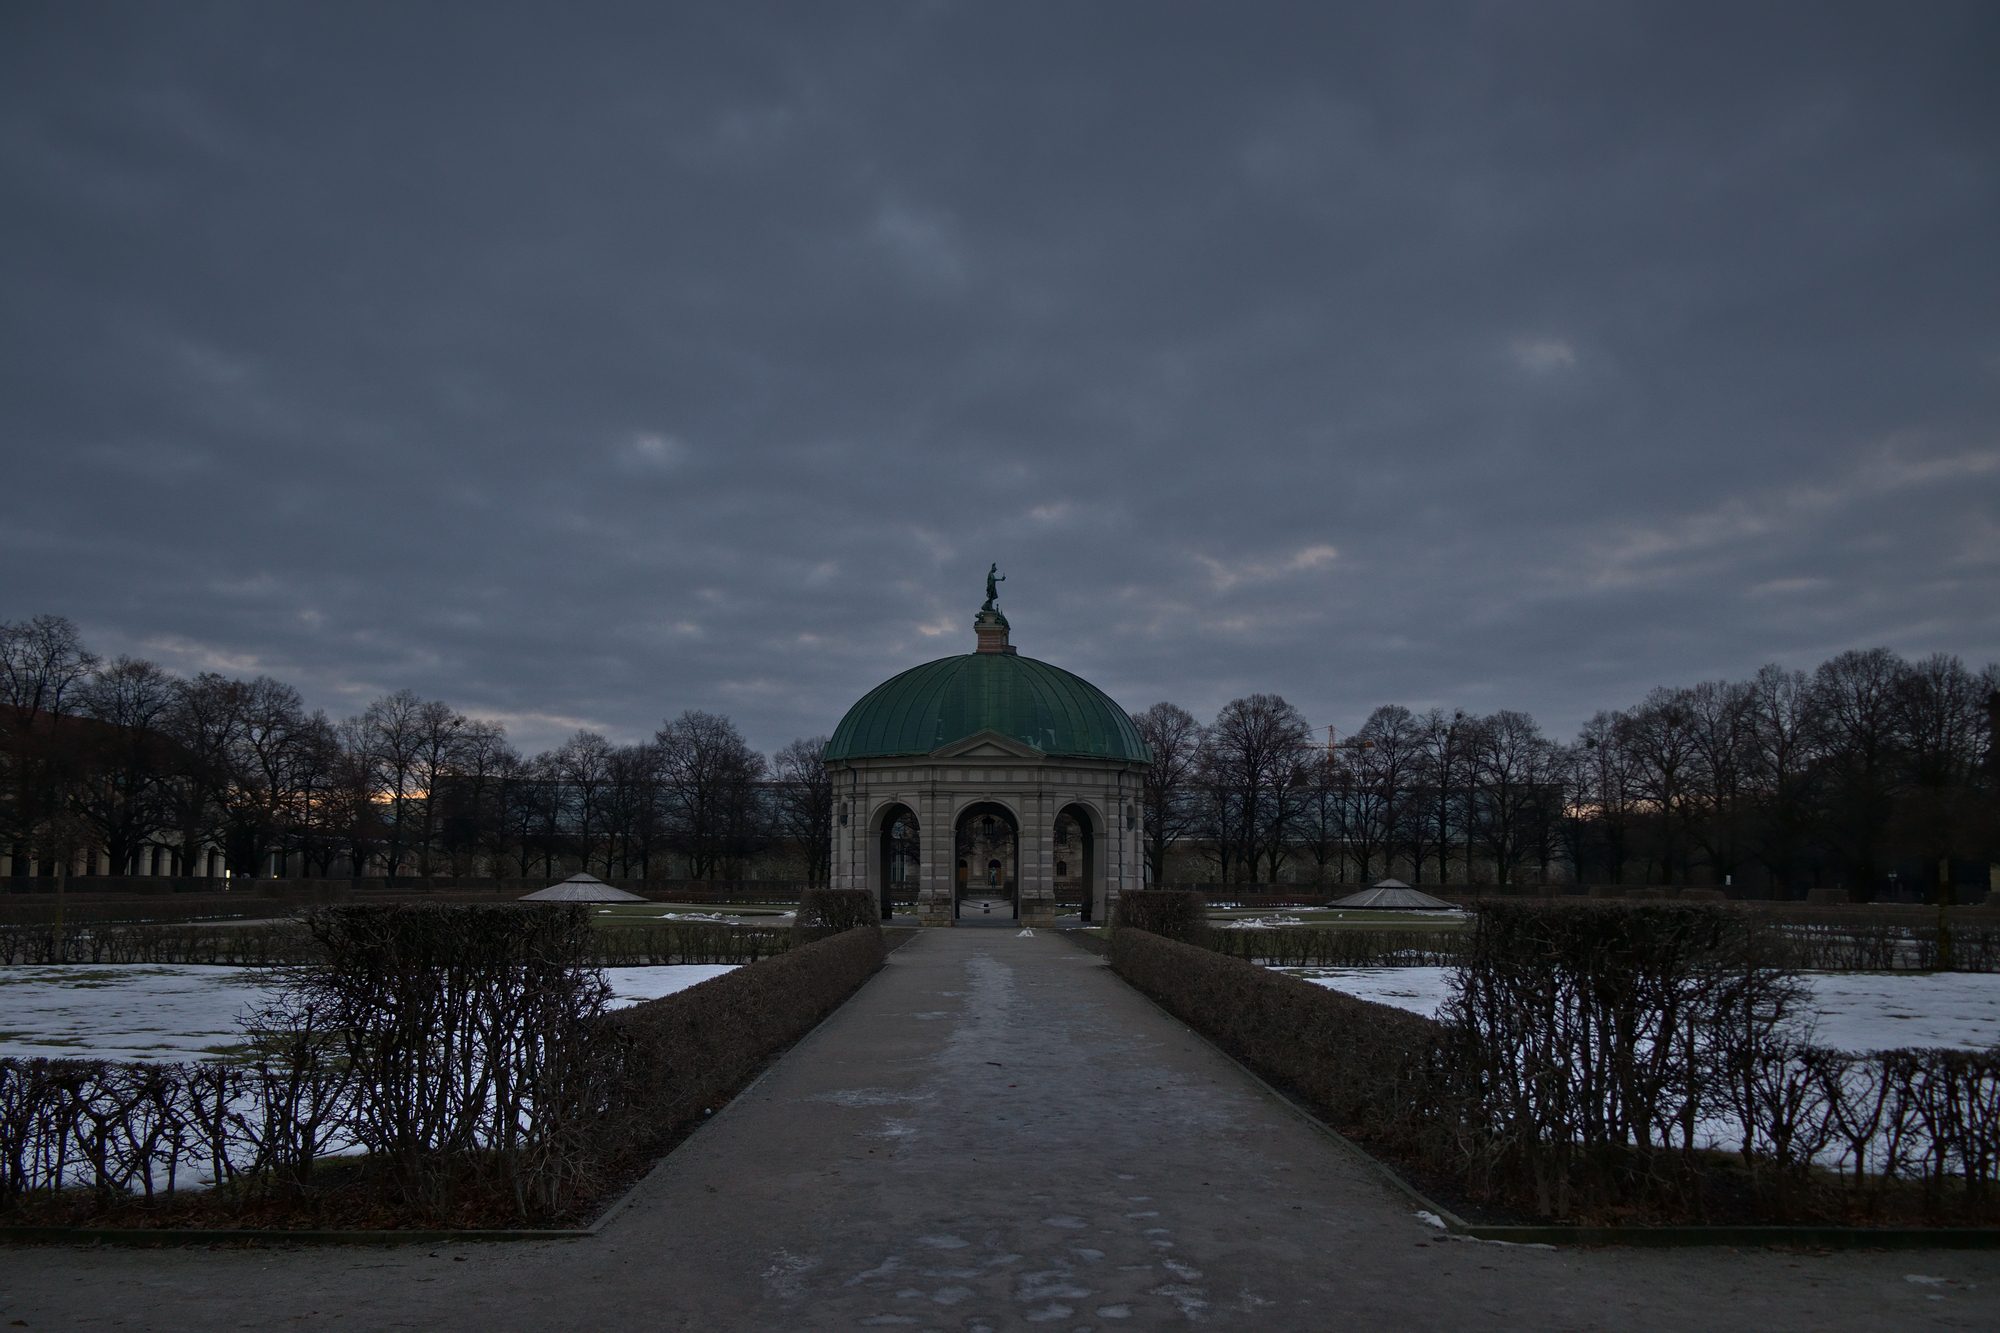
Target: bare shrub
[
  {"x": 1594, "y": 1036},
  {"x": 1588, "y": 1058},
  {"x": 466, "y": 1028},
  {"x": 467, "y": 1052}
]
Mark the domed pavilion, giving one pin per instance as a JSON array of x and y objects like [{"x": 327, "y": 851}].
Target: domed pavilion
[{"x": 1000, "y": 785}]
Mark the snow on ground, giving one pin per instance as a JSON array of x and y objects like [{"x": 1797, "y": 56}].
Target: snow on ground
[
  {"x": 1858, "y": 1011},
  {"x": 188, "y": 1011},
  {"x": 1869, "y": 1011},
  {"x": 631, "y": 985}
]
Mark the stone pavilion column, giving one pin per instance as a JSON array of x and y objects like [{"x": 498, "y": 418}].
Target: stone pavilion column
[
  {"x": 1038, "y": 859},
  {"x": 934, "y": 859}
]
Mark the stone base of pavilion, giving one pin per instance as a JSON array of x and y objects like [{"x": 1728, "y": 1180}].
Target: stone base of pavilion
[{"x": 1037, "y": 908}]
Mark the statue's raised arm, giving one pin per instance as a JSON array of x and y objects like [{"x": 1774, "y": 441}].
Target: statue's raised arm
[{"x": 994, "y": 578}]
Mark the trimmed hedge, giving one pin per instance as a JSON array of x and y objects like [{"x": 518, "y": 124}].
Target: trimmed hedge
[
  {"x": 1587, "y": 1057},
  {"x": 675, "y": 942},
  {"x": 680, "y": 1057},
  {"x": 831, "y": 911},
  {"x": 1315, "y": 946},
  {"x": 1873, "y": 942},
  {"x": 1174, "y": 914},
  {"x": 277, "y": 944},
  {"x": 596, "y": 1096},
  {"x": 1366, "y": 1068},
  {"x": 288, "y": 943}
]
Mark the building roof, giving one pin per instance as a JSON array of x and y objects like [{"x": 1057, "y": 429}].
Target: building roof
[
  {"x": 1394, "y": 895},
  {"x": 939, "y": 703},
  {"x": 581, "y": 889}
]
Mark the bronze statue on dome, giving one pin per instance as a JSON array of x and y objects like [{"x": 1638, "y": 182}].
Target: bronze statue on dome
[{"x": 993, "y": 579}]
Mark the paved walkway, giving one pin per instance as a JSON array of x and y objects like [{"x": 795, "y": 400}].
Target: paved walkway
[{"x": 997, "y": 1133}]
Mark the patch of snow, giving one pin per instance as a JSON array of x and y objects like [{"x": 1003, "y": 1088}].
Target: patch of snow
[
  {"x": 187, "y": 1011},
  {"x": 1855, "y": 1011},
  {"x": 126, "y": 1012},
  {"x": 1430, "y": 1219},
  {"x": 635, "y": 985}
]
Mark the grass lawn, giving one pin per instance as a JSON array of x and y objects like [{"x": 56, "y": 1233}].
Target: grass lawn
[
  {"x": 1334, "y": 918},
  {"x": 646, "y": 914}
]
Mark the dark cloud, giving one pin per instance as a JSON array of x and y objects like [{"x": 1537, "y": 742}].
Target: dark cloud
[{"x": 582, "y": 364}]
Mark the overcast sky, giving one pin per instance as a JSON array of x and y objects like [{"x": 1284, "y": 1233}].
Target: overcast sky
[{"x": 581, "y": 364}]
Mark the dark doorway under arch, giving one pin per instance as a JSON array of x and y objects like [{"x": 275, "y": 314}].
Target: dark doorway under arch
[
  {"x": 988, "y": 853},
  {"x": 1076, "y": 839},
  {"x": 902, "y": 847}
]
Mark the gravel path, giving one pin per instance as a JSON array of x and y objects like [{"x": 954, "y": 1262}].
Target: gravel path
[{"x": 997, "y": 1133}]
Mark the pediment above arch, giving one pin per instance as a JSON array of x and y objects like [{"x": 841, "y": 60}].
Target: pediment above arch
[{"x": 987, "y": 745}]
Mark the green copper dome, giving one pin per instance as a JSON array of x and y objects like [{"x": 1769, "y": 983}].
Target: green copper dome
[{"x": 933, "y": 705}]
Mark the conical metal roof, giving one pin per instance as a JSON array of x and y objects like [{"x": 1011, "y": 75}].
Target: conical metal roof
[
  {"x": 581, "y": 889},
  {"x": 1392, "y": 895}
]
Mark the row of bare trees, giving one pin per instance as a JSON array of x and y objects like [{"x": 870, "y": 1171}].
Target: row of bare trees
[
  {"x": 1427, "y": 793},
  {"x": 127, "y": 761},
  {"x": 1868, "y": 768}
]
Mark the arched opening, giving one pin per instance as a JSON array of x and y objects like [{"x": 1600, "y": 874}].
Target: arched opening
[
  {"x": 989, "y": 858},
  {"x": 1076, "y": 870},
  {"x": 901, "y": 847}
]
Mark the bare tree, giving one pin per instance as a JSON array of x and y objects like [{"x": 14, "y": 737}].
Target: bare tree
[
  {"x": 1387, "y": 753},
  {"x": 1724, "y": 722},
  {"x": 357, "y": 815},
  {"x": 805, "y": 803},
  {"x": 276, "y": 760},
  {"x": 1787, "y": 743},
  {"x": 440, "y": 750},
  {"x": 471, "y": 821},
  {"x": 1332, "y": 804},
  {"x": 1256, "y": 760},
  {"x": 128, "y": 761},
  {"x": 1602, "y": 795},
  {"x": 1445, "y": 773},
  {"x": 1659, "y": 738},
  {"x": 582, "y": 765},
  {"x": 532, "y": 811},
  {"x": 634, "y": 821},
  {"x": 411, "y": 744},
  {"x": 41, "y": 662},
  {"x": 320, "y": 762},
  {"x": 1941, "y": 812},
  {"x": 1171, "y": 811},
  {"x": 1516, "y": 787},
  {"x": 202, "y": 721},
  {"x": 709, "y": 776},
  {"x": 1856, "y": 693}
]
